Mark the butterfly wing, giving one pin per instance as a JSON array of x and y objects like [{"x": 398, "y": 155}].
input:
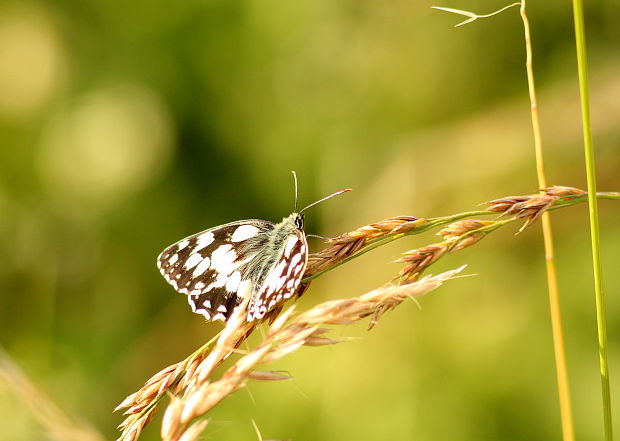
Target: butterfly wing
[
  {"x": 213, "y": 267},
  {"x": 284, "y": 277}
]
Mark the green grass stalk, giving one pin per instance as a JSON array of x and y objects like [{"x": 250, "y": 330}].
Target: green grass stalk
[{"x": 601, "y": 324}]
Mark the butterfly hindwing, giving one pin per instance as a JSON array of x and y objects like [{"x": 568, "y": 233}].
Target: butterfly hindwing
[{"x": 284, "y": 277}]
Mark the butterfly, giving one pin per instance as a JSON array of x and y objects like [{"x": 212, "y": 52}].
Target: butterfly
[{"x": 217, "y": 267}]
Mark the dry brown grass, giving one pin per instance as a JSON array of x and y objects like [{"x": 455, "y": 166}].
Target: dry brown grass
[
  {"x": 350, "y": 243},
  {"x": 459, "y": 231},
  {"x": 141, "y": 405},
  {"x": 285, "y": 335},
  {"x": 58, "y": 423}
]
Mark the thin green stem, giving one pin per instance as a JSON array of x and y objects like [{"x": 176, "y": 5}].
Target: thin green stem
[{"x": 601, "y": 324}]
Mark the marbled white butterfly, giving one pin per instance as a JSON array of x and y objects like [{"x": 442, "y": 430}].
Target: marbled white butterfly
[{"x": 217, "y": 266}]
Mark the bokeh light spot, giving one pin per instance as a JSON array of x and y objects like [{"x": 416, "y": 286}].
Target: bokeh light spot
[
  {"x": 110, "y": 143},
  {"x": 31, "y": 61}
]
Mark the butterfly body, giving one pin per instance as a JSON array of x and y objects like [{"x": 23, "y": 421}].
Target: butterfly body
[{"x": 217, "y": 267}]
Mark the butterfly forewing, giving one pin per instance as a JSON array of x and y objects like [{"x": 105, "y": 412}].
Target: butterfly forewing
[
  {"x": 209, "y": 266},
  {"x": 215, "y": 267}
]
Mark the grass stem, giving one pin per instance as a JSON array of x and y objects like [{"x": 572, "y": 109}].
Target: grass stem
[
  {"x": 601, "y": 324},
  {"x": 568, "y": 432}
]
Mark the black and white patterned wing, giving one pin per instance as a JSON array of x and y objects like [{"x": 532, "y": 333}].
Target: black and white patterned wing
[
  {"x": 215, "y": 266},
  {"x": 283, "y": 279}
]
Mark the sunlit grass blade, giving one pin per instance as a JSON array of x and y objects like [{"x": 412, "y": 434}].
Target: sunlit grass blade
[
  {"x": 601, "y": 322},
  {"x": 566, "y": 413}
]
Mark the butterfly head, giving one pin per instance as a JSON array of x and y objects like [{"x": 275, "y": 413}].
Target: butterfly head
[{"x": 299, "y": 220}]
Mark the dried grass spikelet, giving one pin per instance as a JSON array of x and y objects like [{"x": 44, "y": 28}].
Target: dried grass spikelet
[
  {"x": 142, "y": 404},
  {"x": 459, "y": 228},
  {"x": 349, "y": 243},
  {"x": 563, "y": 192},
  {"x": 457, "y": 235},
  {"x": 418, "y": 259},
  {"x": 134, "y": 423},
  {"x": 531, "y": 207},
  {"x": 285, "y": 335},
  {"x": 465, "y": 233},
  {"x": 236, "y": 331}
]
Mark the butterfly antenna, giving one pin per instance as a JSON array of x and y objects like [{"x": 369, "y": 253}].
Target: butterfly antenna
[
  {"x": 295, "y": 178},
  {"x": 325, "y": 198}
]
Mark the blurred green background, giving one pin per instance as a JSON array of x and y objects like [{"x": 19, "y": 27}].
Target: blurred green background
[{"x": 126, "y": 126}]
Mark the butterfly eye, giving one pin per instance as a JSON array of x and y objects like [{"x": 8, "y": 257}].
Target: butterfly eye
[{"x": 299, "y": 221}]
